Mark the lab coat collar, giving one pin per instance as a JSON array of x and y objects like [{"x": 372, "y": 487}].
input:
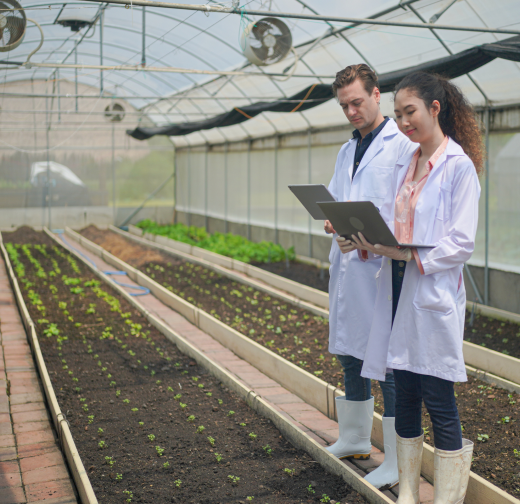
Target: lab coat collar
[{"x": 387, "y": 133}]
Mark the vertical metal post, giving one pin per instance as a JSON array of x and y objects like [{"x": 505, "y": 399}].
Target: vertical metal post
[
  {"x": 59, "y": 94},
  {"x": 249, "y": 190},
  {"x": 143, "y": 41},
  {"x": 76, "y": 76},
  {"x": 226, "y": 225},
  {"x": 174, "y": 185},
  {"x": 48, "y": 178},
  {"x": 101, "y": 29},
  {"x": 309, "y": 181},
  {"x": 276, "y": 145},
  {"x": 206, "y": 188},
  {"x": 189, "y": 186},
  {"x": 486, "y": 187},
  {"x": 114, "y": 211}
]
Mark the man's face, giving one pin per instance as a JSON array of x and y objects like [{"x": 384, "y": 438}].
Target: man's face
[{"x": 360, "y": 108}]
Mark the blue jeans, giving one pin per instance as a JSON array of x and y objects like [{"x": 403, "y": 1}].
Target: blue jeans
[
  {"x": 439, "y": 398},
  {"x": 358, "y": 388}
]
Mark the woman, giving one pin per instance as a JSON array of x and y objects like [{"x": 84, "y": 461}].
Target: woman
[{"x": 421, "y": 300}]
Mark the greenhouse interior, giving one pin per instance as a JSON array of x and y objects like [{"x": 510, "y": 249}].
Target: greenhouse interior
[{"x": 154, "y": 255}]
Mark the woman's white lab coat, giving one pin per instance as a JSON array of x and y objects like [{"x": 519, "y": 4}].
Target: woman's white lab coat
[
  {"x": 352, "y": 285},
  {"x": 427, "y": 334}
]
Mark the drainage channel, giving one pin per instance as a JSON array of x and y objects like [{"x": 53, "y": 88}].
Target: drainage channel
[{"x": 315, "y": 392}]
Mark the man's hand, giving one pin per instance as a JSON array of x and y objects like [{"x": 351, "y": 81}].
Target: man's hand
[
  {"x": 345, "y": 245},
  {"x": 328, "y": 227},
  {"x": 399, "y": 254}
]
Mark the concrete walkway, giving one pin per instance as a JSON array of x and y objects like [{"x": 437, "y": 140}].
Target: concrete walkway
[
  {"x": 308, "y": 418},
  {"x": 32, "y": 468}
]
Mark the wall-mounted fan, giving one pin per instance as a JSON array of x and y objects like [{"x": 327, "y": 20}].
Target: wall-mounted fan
[
  {"x": 12, "y": 25},
  {"x": 266, "y": 41},
  {"x": 114, "y": 112}
]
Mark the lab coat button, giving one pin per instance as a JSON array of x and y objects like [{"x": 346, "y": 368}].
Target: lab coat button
[
  {"x": 389, "y": 298},
  {"x": 401, "y": 274},
  {"x": 389, "y": 261},
  {"x": 401, "y": 264}
]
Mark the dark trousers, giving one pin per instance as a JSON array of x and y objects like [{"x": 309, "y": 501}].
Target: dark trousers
[{"x": 412, "y": 389}]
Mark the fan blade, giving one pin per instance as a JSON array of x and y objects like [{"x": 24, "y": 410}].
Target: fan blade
[
  {"x": 16, "y": 27},
  {"x": 261, "y": 52}
]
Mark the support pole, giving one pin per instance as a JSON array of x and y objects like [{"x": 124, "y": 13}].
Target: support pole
[
  {"x": 249, "y": 190},
  {"x": 101, "y": 29},
  {"x": 76, "y": 75},
  {"x": 143, "y": 40},
  {"x": 114, "y": 210},
  {"x": 309, "y": 181},
  {"x": 174, "y": 185},
  {"x": 276, "y": 145},
  {"x": 206, "y": 188},
  {"x": 59, "y": 93},
  {"x": 226, "y": 225},
  {"x": 486, "y": 187},
  {"x": 188, "y": 220}
]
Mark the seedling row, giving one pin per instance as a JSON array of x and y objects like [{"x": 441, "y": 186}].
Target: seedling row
[{"x": 149, "y": 423}]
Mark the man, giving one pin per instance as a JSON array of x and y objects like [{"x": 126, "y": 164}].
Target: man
[{"x": 364, "y": 172}]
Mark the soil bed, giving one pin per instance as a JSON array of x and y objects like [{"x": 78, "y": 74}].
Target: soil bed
[
  {"x": 302, "y": 338},
  {"x": 151, "y": 425},
  {"x": 306, "y": 274}
]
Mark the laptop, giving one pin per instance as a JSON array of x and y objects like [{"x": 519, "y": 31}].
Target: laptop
[
  {"x": 350, "y": 217},
  {"x": 309, "y": 195}
]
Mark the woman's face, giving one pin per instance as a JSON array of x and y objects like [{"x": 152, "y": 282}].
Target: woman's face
[{"x": 413, "y": 118}]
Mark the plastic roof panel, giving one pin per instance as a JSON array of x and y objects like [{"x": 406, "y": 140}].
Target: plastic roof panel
[{"x": 194, "y": 40}]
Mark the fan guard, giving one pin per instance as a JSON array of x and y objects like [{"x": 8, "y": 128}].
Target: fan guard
[
  {"x": 266, "y": 41},
  {"x": 115, "y": 112},
  {"x": 12, "y": 25}
]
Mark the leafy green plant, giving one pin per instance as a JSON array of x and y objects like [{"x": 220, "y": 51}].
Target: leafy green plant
[
  {"x": 119, "y": 477},
  {"x": 110, "y": 461},
  {"x": 211, "y": 441},
  {"x": 234, "y": 479},
  {"x": 200, "y": 429},
  {"x": 102, "y": 444},
  {"x": 268, "y": 450},
  {"x": 218, "y": 456},
  {"x": 129, "y": 495},
  {"x": 482, "y": 437},
  {"x": 310, "y": 489},
  {"x": 230, "y": 413},
  {"x": 151, "y": 437},
  {"x": 290, "y": 472},
  {"x": 177, "y": 483},
  {"x": 252, "y": 435},
  {"x": 159, "y": 451},
  {"x": 325, "y": 498},
  {"x": 504, "y": 420},
  {"x": 166, "y": 465},
  {"x": 191, "y": 418}
]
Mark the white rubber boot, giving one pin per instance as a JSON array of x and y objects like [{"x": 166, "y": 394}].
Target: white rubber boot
[
  {"x": 355, "y": 427},
  {"x": 451, "y": 474},
  {"x": 387, "y": 473},
  {"x": 409, "y": 459}
]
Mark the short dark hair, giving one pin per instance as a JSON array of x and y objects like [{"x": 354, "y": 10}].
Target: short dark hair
[{"x": 349, "y": 74}]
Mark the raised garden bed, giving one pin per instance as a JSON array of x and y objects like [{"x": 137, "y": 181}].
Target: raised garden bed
[
  {"x": 302, "y": 338},
  {"x": 150, "y": 424}
]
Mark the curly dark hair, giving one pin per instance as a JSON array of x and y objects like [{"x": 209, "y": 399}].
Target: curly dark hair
[{"x": 457, "y": 118}]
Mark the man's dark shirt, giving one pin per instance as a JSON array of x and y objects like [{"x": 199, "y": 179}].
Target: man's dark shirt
[{"x": 362, "y": 145}]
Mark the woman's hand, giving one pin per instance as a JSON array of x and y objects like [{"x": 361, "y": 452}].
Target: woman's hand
[
  {"x": 328, "y": 227},
  {"x": 345, "y": 245},
  {"x": 398, "y": 254}
]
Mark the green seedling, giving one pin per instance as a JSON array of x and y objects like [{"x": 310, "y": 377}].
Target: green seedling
[
  {"x": 90, "y": 419},
  {"x": 118, "y": 393},
  {"x": 242, "y": 424},
  {"x": 325, "y": 498},
  {"x": 85, "y": 408},
  {"x": 230, "y": 413},
  {"x": 177, "y": 483},
  {"x": 482, "y": 437},
  {"x": 517, "y": 453},
  {"x": 100, "y": 432},
  {"x": 182, "y": 405},
  {"x": 211, "y": 441},
  {"x": 220, "y": 401},
  {"x": 141, "y": 424},
  {"x": 158, "y": 382},
  {"x": 250, "y": 497},
  {"x": 504, "y": 420},
  {"x": 290, "y": 472},
  {"x": 126, "y": 401},
  {"x": 200, "y": 385},
  {"x": 511, "y": 399},
  {"x": 112, "y": 384},
  {"x": 110, "y": 461},
  {"x": 209, "y": 394},
  {"x": 191, "y": 418},
  {"x": 252, "y": 435},
  {"x": 129, "y": 495},
  {"x": 159, "y": 451},
  {"x": 166, "y": 465},
  {"x": 218, "y": 456},
  {"x": 102, "y": 444},
  {"x": 200, "y": 429},
  {"x": 119, "y": 477},
  {"x": 234, "y": 479},
  {"x": 310, "y": 489},
  {"x": 177, "y": 397},
  {"x": 151, "y": 437},
  {"x": 134, "y": 410},
  {"x": 268, "y": 450},
  {"x": 169, "y": 389}
]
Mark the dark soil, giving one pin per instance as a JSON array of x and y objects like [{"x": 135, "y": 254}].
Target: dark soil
[
  {"x": 302, "y": 338},
  {"x": 123, "y": 384},
  {"x": 306, "y": 274}
]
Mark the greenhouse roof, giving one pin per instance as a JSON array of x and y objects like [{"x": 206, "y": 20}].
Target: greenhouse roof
[{"x": 210, "y": 42}]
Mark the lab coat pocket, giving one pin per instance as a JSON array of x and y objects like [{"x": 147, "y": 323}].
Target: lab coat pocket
[
  {"x": 444, "y": 209},
  {"x": 433, "y": 294},
  {"x": 378, "y": 186}
]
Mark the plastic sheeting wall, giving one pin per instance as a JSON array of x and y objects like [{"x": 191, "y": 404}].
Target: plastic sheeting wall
[{"x": 247, "y": 183}]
